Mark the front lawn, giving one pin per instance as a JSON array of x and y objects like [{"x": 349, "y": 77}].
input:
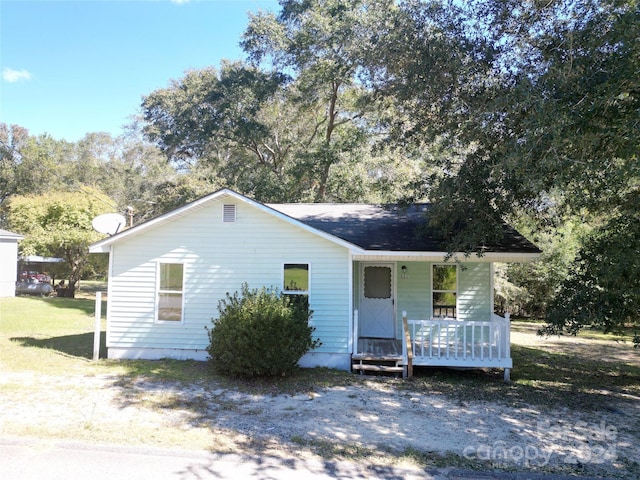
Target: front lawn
[
  {"x": 47, "y": 334},
  {"x": 56, "y": 334},
  {"x": 49, "y": 342}
]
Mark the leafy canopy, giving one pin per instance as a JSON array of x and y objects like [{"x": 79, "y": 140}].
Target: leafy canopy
[{"x": 58, "y": 224}]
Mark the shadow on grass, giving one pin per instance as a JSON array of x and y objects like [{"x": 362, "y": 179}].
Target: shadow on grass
[
  {"x": 79, "y": 345},
  {"x": 574, "y": 380},
  {"x": 542, "y": 379},
  {"x": 189, "y": 372},
  {"x": 84, "y": 305}
]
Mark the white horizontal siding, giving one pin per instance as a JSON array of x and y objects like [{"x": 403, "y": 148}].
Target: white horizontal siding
[
  {"x": 475, "y": 292},
  {"x": 414, "y": 292},
  {"x": 218, "y": 258}
]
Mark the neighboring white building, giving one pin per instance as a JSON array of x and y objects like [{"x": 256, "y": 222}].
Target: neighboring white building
[
  {"x": 361, "y": 267},
  {"x": 8, "y": 262}
]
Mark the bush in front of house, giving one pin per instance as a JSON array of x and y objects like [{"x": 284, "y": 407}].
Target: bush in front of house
[{"x": 260, "y": 332}]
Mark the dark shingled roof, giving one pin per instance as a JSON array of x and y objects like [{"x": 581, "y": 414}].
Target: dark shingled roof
[{"x": 391, "y": 227}]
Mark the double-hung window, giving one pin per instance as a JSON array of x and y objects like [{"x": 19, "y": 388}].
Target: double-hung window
[
  {"x": 170, "y": 286},
  {"x": 296, "y": 282},
  {"x": 444, "y": 291}
]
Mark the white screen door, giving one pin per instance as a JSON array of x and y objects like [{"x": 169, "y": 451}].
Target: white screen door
[{"x": 376, "y": 317}]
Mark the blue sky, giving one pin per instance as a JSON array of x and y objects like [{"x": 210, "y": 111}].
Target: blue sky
[{"x": 74, "y": 67}]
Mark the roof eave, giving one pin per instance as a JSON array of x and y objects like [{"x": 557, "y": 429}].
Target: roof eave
[
  {"x": 503, "y": 257},
  {"x": 11, "y": 236}
]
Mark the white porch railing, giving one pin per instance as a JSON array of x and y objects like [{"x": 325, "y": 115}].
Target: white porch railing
[{"x": 448, "y": 342}]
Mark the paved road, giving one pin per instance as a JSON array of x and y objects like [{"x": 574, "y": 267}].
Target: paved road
[{"x": 27, "y": 459}]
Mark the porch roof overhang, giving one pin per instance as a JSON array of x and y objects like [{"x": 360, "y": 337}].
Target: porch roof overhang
[{"x": 504, "y": 257}]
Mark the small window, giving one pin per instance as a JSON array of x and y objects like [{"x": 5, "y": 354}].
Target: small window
[
  {"x": 170, "y": 289},
  {"x": 296, "y": 278},
  {"x": 296, "y": 283},
  {"x": 445, "y": 291},
  {"x": 229, "y": 213}
]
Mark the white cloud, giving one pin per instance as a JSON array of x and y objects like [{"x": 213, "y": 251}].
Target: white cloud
[
  {"x": 180, "y": 2},
  {"x": 10, "y": 75}
]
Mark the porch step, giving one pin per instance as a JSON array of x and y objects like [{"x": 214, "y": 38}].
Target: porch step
[
  {"x": 368, "y": 363},
  {"x": 377, "y": 368}
]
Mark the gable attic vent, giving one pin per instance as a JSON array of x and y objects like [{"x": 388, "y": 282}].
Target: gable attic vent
[{"x": 229, "y": 213}]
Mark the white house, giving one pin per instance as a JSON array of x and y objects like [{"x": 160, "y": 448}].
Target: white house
[
  {"x": 8, "y": 262},
  {"x": 361, "y": 267}
]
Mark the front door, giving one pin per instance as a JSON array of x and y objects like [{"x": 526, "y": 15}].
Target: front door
[{"x": 376, "y": 317}]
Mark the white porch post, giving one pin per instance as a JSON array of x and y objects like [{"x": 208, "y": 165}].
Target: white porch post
[
  {"x": 407, "y": 348},
  {"x": 507, "y": 339},
  {"x": 354, "y": 349}
]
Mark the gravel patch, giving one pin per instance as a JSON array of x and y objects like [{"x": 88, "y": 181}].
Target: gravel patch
[{"x": 371, "y": 415}]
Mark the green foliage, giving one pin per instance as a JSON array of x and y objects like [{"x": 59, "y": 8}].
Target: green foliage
[
  {"x": 259, "y": 333},
  {"x": 526, "y": 289},
  {"x": 58, "y": 225},
  {"x": 544, "y": 100},
  {"x": 210, "y": 109},
  {"x": 603, "y": 290},
  {"x": 539, "y": 114},
  {"x": 129, "y": 171},
  {"x": 298, "y": 124},
  {"x": 324, "y": 45},
  {"x": 31, "y": 165},
  {"x": 11, "y": 140}
]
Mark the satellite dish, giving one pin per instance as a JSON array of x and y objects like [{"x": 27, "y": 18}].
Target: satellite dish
[{"x": 109, "y": 223}]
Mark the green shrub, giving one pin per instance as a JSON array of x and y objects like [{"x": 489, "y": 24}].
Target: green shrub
[{"x": 260, "y": 332}]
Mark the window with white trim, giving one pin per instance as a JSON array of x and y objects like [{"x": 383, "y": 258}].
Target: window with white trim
[
  {"x": 444, "y": 291},
  {"x": 296, "y": 282},
  {"x": 170, "y": 292}
]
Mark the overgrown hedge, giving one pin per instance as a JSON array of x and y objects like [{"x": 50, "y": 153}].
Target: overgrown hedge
[{"x": 260, "y": 332}]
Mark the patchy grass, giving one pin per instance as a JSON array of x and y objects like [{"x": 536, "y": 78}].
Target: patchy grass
[
  {"x": 581, "y": 373},
  {"x": 541, "y": 379},
  {"x": 48, "y": 335},
  {"x": 54, "y": 336},
  {"x": 193, "y": 372},
  {"x": 327, "y": 449},
  {"x": 301, "y": 381}
]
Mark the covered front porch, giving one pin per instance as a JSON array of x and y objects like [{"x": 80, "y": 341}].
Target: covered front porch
[
  {"x": 426, "y": 314},
  {"x": 438, "y": 342}
]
